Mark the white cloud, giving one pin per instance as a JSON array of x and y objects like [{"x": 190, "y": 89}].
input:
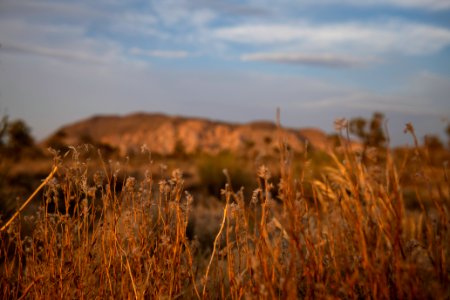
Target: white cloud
[
  {"x": 324, "y": 60},
  {"x": 175, "y": 12},
  {"x": 63, "y": 42},
  {"x": 160, "y": 53},
  {"x": 432, "y": 5},
  {"x": 389, "y": 36},
  {"x": 230, "y": 8},
  {"x": 202, "y": 17},
  {"x": 75, "y": 56},
  {"x": 138, "y": 24},
  {"x": 261, "y": 34},
  {"x": 44, "y": 8},
  {"x": 19, "y": 30},
  {"x": 398, "y": 102},
  {"x": 425, "y": 4}
]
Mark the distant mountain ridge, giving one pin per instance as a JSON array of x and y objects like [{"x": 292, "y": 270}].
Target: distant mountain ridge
[{"x": 167, "y": 134}]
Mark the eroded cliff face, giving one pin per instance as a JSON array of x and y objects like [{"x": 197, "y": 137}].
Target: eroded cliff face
[{"x": 168, "y": 134}]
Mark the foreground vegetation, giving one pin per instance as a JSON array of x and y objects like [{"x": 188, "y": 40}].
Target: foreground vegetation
[{"x": 363, "y": 225}]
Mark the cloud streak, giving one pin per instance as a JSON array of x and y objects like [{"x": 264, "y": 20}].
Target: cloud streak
[
  {"x": 398, "y": 102},
  {"x": 423, "y": 4},
  {"x": 391, "y": 36},
  {"x": 321, "y": 60},
  {"x": 64, "y": 55},
  {"x": 430, "y": 5},
  {"x": 160, "y": 53}
]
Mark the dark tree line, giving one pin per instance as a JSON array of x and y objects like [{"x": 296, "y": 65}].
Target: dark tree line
[
  {"x": 15, "y": 139},
  {"x": 371, "y": 132}
]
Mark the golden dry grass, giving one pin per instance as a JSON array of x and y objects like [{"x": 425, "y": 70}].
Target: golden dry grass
[{"x": 345, "y": 234}]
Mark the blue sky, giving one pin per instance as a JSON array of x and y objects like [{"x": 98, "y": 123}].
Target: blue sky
[{"x": 320, "y": 60}]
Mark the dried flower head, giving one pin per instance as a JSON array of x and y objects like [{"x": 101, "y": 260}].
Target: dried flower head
[
  {"x": 144, "y": 148},
  {"x": 408, "y": 128},
  {"x": 255, "y": 195},
  {"x": 264, "y": 172},
  {"x": 98, "y": 178},
  {"x": 177, "y": 175},
  {"x": 130, "y": 183},
  {"x": 340, "y": 124},
  {"x": 189, "y": 198}
]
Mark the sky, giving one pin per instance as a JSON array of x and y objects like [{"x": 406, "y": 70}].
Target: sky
[{"x": 317, "y": 60}]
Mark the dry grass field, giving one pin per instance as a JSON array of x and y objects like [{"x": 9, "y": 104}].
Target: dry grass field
[{"x": 349, "y": 227}]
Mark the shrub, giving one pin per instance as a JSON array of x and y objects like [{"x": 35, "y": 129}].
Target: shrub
[{"x": 212, "y": 177}]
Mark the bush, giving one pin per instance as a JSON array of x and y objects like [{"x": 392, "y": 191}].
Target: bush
[
  {"x": 16, "y": 140},
  {"x": 213, "y": 179}
]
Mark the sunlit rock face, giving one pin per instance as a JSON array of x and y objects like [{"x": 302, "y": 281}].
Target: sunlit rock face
[{"x": 169, "y": 134}]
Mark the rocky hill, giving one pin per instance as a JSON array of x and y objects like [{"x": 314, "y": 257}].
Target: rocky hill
[{"x": 168, "y": 134}]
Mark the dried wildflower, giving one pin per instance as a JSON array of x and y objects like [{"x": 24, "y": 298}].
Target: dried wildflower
[
  {"x": 53, "y": 182},
  {"x": 75, "y": 153},
  {"x": 255, "y": 196},
  {"x": 144, "y": 148},
  {"x": 162, "y": 183},
  {"x": 189, "y": 198},
  {"x": 84, "y": 183},
  {"x": 239, "y": 197},
  {"x": 409, "y": 128},
  {"x": 177, "y": 175},
  {"x": 264, "y": 172},
  {"x": 167, "y": 188},
  {"x": 130, "y": 183},
  {"x": 28, "y": 218},
  {"x": 340, "y": 124},
  {"x": 84, "y": 206},
  {"x": 98, "y": 178},
  {"x": 227, "y": 174},
  {"x": 233, "y": 208}
]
